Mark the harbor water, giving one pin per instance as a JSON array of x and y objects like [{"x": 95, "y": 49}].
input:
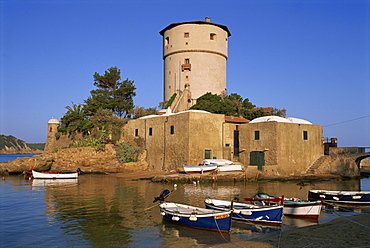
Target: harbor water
[{"x": 109, "y": 211}]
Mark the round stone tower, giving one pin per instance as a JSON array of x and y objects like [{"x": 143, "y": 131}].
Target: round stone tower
[
  {"x": 194, "y": 55},
  {"x": 53, "y": 125}
]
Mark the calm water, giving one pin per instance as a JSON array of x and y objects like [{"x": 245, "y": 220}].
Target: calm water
[{"x": 106, "y": 211}]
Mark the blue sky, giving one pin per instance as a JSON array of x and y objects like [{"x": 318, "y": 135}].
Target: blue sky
[{"x": 309, "y": 57}]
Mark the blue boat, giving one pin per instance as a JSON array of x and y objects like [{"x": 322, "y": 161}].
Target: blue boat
[
  {"x": 195, "y": 217},
  {"x": 343, "y": 197},
  {"x": 248, "y": 212}
]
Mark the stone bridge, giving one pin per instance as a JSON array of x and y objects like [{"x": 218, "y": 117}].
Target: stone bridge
[
  {"x": 343, "y": 161},
  {"x": 359, "y": 157}
]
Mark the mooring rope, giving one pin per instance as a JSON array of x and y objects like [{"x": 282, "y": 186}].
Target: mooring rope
[{"x": 223, "y": 235}]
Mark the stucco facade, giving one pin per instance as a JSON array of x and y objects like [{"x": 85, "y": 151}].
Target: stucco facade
[
  {"x": 188, "y": 137},
  {"x": 176, "y": 139},
  {"x": 195, "y": 55},
  {"x": 287, "y": 148}
]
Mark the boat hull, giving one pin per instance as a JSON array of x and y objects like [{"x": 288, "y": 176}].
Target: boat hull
[
  {"x": 199, "y": 168},
  {"x": 40, "y": 175},
  {"x": 292, "y": 206},
  {"x": 194, "y": 217},
  {"x": 233, "y": 167},
  {"x": 303, "y": 209},
  {"x": 343, "y": 197},
  {"x": 249, "y": 212}
]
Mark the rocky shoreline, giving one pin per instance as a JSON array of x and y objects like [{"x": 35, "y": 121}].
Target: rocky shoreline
[{"x": 90, "y": 160}]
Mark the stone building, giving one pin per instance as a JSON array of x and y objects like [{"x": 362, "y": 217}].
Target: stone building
[
  {"x": 280, "y": 146},
  {"x": 194, "y": 55},
  {"x": 171, "y": 140},
  {"x": 273, "y": 145},
  {"x": 53, "y": 125}
]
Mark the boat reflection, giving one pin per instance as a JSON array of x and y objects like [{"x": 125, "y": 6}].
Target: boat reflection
[
  {"x": 53, "y": 182},
  {"x": 299, "y": 222},
  {"x": 252, "y": 230},
  {"x": 172, "y": 231},
  {"x": 343, "y": 208}
]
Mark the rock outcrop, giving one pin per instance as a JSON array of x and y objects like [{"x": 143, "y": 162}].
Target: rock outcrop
[
  {"x": 37, "y": 162},
  {"x": 88, "y": 159}
]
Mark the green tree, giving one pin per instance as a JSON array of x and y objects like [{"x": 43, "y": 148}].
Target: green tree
[
  {"x": 140, "y": 112},
  {"x": 232, "y": 105},
  {"x": 75, "y": 120},
  {"x": 112, "y": 94},
  {"x": 214, "y": 104}
]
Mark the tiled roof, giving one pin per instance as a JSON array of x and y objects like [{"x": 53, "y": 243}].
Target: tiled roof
[{"x": 235, "y": 119}]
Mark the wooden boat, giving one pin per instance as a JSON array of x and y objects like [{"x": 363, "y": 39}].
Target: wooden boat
[
  {"x": 292, "y": 206},
  {"x": 344, "y": 197},
  {"x": 199, "y": 168},
  {"x": 223, "y": 165},
  {"x": 45, "y": 175},
  {"x": 248, "y": 212},
  {"x": 302, "y": 208},
  {"x": 196, "y": 217}
]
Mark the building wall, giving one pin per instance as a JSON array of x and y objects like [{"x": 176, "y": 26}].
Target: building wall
[
  {"x": 285, "y": 149},
  {"x": 286, "y": 152},
  {"x": 176, "y": 139},
  {"x": 207, "y": 59}
]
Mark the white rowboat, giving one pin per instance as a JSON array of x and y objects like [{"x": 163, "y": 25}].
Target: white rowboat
[{"x": 41, "y": 175}]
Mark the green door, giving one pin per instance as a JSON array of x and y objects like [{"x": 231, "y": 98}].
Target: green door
[{"x": 257, "y": 158}]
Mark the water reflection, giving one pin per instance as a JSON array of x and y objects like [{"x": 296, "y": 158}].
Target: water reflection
[
  {"x": 106, "y": 211},
  {"x": 173, "y": 233}
]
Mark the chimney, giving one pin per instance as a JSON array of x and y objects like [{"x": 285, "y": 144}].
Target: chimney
[{"x": 208, "y": 19}]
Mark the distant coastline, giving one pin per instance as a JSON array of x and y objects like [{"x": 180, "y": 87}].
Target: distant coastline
[{"x": 12, "y": 145}]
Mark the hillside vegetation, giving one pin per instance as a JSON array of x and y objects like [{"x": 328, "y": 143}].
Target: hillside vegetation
[{"x": 11, "y": 145}]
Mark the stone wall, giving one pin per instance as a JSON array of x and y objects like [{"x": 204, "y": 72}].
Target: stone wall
[{"x": 339, "y": 165}]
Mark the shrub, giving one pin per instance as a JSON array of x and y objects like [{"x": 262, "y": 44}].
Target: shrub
[{"x": 127, "y": 153}]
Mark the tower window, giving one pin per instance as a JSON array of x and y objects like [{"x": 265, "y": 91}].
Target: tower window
[
  {"x": 186, "y": 65},
  {"x": 150, "y": 131},
  {"x": 167, "y": 41},
  {"x": 186, "y": 35},
  {"x": 136, "y": 132},
  {"x": 212, "y": 36}
]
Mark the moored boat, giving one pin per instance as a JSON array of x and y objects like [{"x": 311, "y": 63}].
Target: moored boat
[
  {"x": 248, "y": 212},
  {"x": 302, "y": 208},
  {"x": 195, "y": 217},
  {"x": 223, "y": 165},
  {"x": 199, "y": 168},
  {"x": 42, "y": 175},
  {"x": 292, "y": 206},
  {"x": 343, "y": 197}
]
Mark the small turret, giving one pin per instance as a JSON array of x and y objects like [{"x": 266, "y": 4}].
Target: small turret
[{"x": 53, "y": 125}]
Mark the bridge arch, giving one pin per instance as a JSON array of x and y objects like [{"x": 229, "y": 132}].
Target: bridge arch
[{"x": 360, "y": 157}]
